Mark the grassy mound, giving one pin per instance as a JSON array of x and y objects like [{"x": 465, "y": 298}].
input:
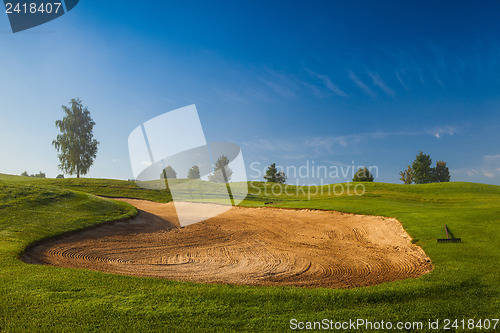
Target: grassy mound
[
  {"x": 463, "y": 285},
  {"x": 101, "y": 187}
]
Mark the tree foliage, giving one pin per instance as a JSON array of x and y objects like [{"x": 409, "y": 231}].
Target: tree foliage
[
  {"x": 407, "y": 175},
  {"x": 363, "y": 175},
  {"x": 441, "y": 173},
  {"x": 76, "y": 146},
  {"x": 194, "y": 172},
  {"x": 222, "y": 173},
  {"x": 421, "y": 172},
  {"x": 38, "y": 175},
  {"x": 275, "y": 176},
  {"x": 169, "y": 173}
]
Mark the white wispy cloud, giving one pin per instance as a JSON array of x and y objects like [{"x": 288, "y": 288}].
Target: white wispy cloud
[
  {"x": 292, "y": 156},
  {"x": 259, "y": 94},
  {"x": 399, "y": 74},
  {"x": 461, "y": 64},
  {"x": 319, "y": 145},
  {"x": 438, "y": 80},
  {"x": 229, "y": 95},
  {"x": 488, "y": 174},
  {"x": 280, "y": 83},
  {"x": 278, "y": 88},
  {"x": 377, "y": 81},
  {"x": 491, "y": 158},
  {"x": 438, "y": 132},
  {"x": 489, "y": 167},
  {"x": 315, "y": 90},
  {"x": 272, "y": 145},
  {"x": 361, "y": 85},
  {"x": 334, "y": 88},
  {"x": 471, "y": 172},
  {"x": 420, "y": 76},
  {"x": 331, "y": 143},
  {"x": 328, "y": 84},
  {"x": 342, "y": 140}
]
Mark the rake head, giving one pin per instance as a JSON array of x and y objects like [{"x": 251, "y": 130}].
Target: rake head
[{"x": 449, "y": 240}]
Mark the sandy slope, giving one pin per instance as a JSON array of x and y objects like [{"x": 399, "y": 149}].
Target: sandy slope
[{"x": 255, "y": 246}]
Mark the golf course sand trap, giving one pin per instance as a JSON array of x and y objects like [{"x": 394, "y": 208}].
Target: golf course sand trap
[{"x": 251, "y": 246}]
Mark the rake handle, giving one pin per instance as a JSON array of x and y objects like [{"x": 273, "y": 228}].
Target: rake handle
[{"x": 446, "y": 229}]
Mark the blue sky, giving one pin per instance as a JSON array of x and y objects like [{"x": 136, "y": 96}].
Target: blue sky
[{"x": 291, "y": 81}]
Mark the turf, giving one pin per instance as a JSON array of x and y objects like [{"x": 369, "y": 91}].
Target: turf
[
  {"x": 101, "y": 187},
  {"x": 464, "y": 283}
]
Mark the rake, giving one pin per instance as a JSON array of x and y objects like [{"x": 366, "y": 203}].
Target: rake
[{"x": 448, "y": 239}]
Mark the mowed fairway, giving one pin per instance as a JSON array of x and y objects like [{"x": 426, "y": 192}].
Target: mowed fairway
[
  {"x": 463, "y": 284},
  {"x": 254, "y": 246}
]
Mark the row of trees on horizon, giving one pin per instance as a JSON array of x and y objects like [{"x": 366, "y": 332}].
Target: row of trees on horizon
[
  {"x": 77, "y": 150},
  {"x": 422, "y": 172},
  {"x": 221, "y": 174}
]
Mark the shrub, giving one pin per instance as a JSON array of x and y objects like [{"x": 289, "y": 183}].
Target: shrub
[
  {"x": 275, "y": 176},
  {"x": 169, "y": 172},
  {"x": 222, "y": 172},
  {"x": 441, "y": 173},
  {"x": 363, "y": 175},
  {"x": 421, "y": 172},
  {"x": 407, "y": 175},
  {"x": 194, "y": 172}
]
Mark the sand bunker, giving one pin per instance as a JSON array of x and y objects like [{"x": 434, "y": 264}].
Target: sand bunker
[{"x": 252, "y": 246}]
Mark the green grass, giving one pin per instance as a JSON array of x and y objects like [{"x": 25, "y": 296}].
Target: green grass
[
  {"x": 464, "y": 284},
  {"x": 101, "y": 187}
]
